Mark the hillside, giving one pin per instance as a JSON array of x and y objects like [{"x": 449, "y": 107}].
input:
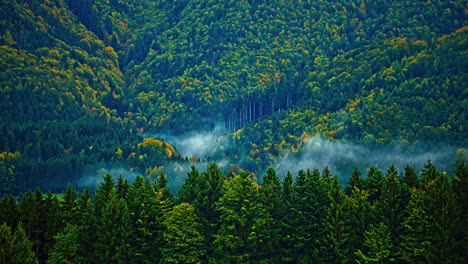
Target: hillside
[{"x": 98, "y": 84}]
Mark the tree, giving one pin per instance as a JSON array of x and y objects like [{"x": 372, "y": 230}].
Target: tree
[
  {"x": 337, "y": 226},
  {"x": 66, "y": 248},
  {"x": 271, "y": 197},
  {"x": 69, "y": 205},
  {"x": 203, "y": 196},
  {"x": 9, "y": 211},
  {"x": 15, "y": 247},
  {"x": 240, "y": 234},
  {"x": 309, "y": 200},
  {"x": 377, "y": 246},
  {"x": 8, "y": 163},
  {"x": 354, "y": 181},
  {"x": 361, "y": 216},
  {"x": 392, "y": 203},
  {"x": 189, "y": 191},
  {"x": 147, "y": 214},
  {"x": 375, "y": 181},
  {"x": 183, "y": 240},
  {"x": 410, "y": 177},
  {"x": 432, "y": 230}
]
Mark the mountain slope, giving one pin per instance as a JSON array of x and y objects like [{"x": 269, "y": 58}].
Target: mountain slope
[{"x": 81, "y": 81}]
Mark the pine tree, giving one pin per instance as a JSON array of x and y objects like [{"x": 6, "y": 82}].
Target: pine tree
[
  {"x": 202, "y": 191},
  {"x": 460, "y": 187},
  {"x": 114, "y": 232},
  {"x": 146, "y": 211},
  {"x": 66, "y": 247},
  {"x": 309, "y": 201},
  {"x": 361, "y": 216},
  {"x": 336, "y": 226},
  {"x": 69, "y": 206},
  {"x": 272, "y": 200},
  {"x": 374, "y": 183},
  {"x": 377, "y": 246},
  {"x": 410, "y": 177},
  {"x": 392, "y": 203},
  {"x": 9, "y": 211},
  {"x": 15, "y": 247},
  {"x": 241, "y": 221},
  {"x": 122, "y": 187},
  {"x": 189, "y": 191},
  {"x": 354, "y": 181},
  {"x": 183, "y": 240},
  {"x": 433, "y": 223}
]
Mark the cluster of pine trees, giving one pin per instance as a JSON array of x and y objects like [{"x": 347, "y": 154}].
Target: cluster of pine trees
[{"x": 386, "y": 217}]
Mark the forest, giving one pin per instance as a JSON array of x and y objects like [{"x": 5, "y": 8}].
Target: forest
[
  {"x": 92, "y": 86},
  {"x": 381, "y": 217},
  {"x": 220, "y": 131}
]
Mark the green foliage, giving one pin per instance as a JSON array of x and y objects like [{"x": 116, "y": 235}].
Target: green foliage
[
  {"x": 378, "y": 246},
  {"x": 309, "y": 219},
  {"x": 183, "y": 240},
  {"x": 15, "y": 247}
]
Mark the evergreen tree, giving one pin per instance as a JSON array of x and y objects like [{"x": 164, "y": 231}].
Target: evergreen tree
[
  {"x": 410, "y": 177},
  {"x": 103, "y": 192},
  {"x": 182, "y": 237},
  {"x": 122, "y": 187},
  {"x": 337, "y": 226},
  {"x": 377, "y": 246},
  {"x": 392, "y": 203},
  {"x": 460, "y": 186},
  {"x": 374, "y": 183},
  {"x": 361, "y": 216},
  {"x": 114, "y": 232},
  {"x": 146, "y": 211},
  {"x": 309, "y": 201},
  {"x": 66, "y": 247},
  {"x": 205, "y": 193},
  {"x": 354, "y": 181},
  {"x": 15, "y": 247},
  {"x": 189, "y": 191},
  {"x": 69, "y": 205},
  {"x": 433, "y": 223},
  {"x": 272, "y": 200},
  {"x": 9, "y": 211},
  {"x": 241, "y": 220}
]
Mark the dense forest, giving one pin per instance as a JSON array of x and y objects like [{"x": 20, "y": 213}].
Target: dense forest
[
  {"x": 91, "y": 86},
  {"x": 201, "y": 108},
  {"x": 383, "y": 217}
]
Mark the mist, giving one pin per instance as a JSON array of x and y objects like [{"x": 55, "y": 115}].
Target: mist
[
  {"x": 341, "y": 157},
  {"x": 92, "y": 180}
]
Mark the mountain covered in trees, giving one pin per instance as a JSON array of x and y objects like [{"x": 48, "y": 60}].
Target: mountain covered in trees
[
  {"x": 91, "y": 84},
  {"x": 94, "y": 88}
]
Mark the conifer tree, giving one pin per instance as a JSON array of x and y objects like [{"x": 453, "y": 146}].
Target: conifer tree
[
  {"x": 272, "y": 200},
  {"x": 361, "y": 216},
  {"x": 66, "y": 247},
  {"x": 147, "y": 216},
  {"x": 9, "y": 211},
  {"x": 309, "y": 201},
  {"x": 374, "y": 183},
  {"x": 392, "y": 203},
  {"x": 354, "y": 181},
  {"x": 183, "y": 242},
  {"x": 377, "y": 246},
  {"x": 240, "y": 234},
  {"x": 410, "y": 177},
  {"x": 69, "y": 205},
  {"x": 15, "y": 247},
  {"x": 432, "y": 228},
  {"x": 337, "y": 226}
]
